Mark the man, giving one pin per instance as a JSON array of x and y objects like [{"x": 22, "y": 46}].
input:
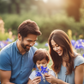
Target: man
[{"x": 16, "y": 61}]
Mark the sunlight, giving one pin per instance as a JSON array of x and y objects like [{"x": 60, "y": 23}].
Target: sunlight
[
  {"x": 58, "y": 2},
  {"x": 45, "y": 1}
]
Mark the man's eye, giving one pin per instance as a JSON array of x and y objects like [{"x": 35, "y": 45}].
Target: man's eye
[{"x": 29, "y": 41}]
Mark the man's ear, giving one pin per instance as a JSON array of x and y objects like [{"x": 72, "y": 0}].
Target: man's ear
[{"x": 19, "y": 37}]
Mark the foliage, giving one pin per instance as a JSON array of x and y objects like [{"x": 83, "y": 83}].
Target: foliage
[
  {"x": 4, "y": 36},
  {"x": 45, "y": 23}
]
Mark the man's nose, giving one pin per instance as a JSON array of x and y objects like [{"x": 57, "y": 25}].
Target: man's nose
[{"x": 31, "y": 44}]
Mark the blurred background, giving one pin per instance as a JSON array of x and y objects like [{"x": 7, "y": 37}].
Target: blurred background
[{"x": 67, "y": 15}]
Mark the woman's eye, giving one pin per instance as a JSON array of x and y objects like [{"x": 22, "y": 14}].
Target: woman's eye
[{"x": 57, "y": 46}]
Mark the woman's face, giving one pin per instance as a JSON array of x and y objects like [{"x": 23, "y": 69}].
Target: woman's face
[
  {"x": 58, "y": 49},
  {"x": 40, "y": 63}
]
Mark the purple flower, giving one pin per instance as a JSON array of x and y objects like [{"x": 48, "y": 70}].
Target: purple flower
[
  {"x": 9, "y": 40},
  {"x": 78, "y": 45},
  {"x": 46, "y": 44},
  {"x": 2, "y": 44},
  {"x": 83, "y": 40},
  {"x": 36, "y": 44},
  {"x": 44, "y": 70},
  {"x": 79, "y": 41},
  {"x": 39, "y": 74},
  {"x": 73, "y": 42},
  {"x": 83, "y": 55}
]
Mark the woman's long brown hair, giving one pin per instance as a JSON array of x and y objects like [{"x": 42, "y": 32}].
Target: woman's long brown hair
[{"x": 61, "y": 38}]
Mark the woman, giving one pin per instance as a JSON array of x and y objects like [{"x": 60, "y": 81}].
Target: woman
[{"x": 67, "y": 64}]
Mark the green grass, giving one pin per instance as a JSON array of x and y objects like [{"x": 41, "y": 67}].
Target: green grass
[{"x": 42, "y": 45}]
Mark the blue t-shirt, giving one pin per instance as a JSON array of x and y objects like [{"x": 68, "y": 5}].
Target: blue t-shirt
[
  {"x": 70, "y": 78},
  {"x": 33, "y": 75},
  {"x": 19, "y": 65}
]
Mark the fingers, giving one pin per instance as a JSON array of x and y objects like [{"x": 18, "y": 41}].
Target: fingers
[
  {"x": 36, "y": 80},
  {"x": 46, "y": 75}
]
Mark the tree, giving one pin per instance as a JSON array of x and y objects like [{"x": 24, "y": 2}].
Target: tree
[{"x": 74, "y": 9}]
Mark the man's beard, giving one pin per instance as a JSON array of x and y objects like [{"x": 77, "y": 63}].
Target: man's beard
[{"x": 24, "y": 47}]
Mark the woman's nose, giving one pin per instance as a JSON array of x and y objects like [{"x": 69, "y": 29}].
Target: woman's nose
[{"x": 55, "y": 48}]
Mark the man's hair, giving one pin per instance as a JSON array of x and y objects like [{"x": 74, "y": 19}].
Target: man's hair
[
  {"x": 28, "y": 27},
  {"x": 41, "y": 54}
]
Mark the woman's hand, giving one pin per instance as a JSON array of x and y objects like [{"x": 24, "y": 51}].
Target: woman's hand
[
  {"x": 50, "y": 78},
  {"x": 36, "y": 80}
]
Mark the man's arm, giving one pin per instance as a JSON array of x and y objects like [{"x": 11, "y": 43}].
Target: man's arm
[{"x": 5, "y": 77}]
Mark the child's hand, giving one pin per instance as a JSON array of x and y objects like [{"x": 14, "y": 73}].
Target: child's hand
[
  {"x": 36, "y": 80},
  {"x": 50, "y": 78}
]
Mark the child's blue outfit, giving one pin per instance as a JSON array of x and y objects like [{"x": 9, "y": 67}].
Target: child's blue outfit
[{"x": 33, "y": 75}]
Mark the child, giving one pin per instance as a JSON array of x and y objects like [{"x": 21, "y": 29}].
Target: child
[{"x": 41, "y": 58}]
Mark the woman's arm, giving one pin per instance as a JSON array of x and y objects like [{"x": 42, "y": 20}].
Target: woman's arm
[
  {"x": 52, "y": 79},
  {"x": 79, "y": 73}
]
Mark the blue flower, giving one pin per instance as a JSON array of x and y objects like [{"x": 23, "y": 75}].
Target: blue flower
[
  {"x": 78, "y": 45},
  {"x": 36, "y": 44},
  {"x": 83, "y": 55},
  {"x": 44, "y": 70},
  {"x": 9, "y": 40},
  {"x": 79, "y": 41},
  {"x": 46, "y": 44},
  {"x": 73, "y": 42},
  {"x": 2, "y": 44},
  {"x": 38, "y": 73}
]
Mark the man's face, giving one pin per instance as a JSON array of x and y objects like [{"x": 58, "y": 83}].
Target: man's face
[{"x": 28, "y": 41}]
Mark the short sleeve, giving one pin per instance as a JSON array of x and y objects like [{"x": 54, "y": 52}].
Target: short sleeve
[
  {"x": 32, "y": 75},
  {"x": 52, "y": 73},
  {"x": 5, "y": 62},
  {"x": 78, "y": 61}
]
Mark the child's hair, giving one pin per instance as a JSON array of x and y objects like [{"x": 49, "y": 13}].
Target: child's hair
[{"x": 41, "y": 54}]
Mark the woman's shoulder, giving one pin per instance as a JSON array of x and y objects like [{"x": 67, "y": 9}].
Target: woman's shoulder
[{"x": 78, "y": 60}]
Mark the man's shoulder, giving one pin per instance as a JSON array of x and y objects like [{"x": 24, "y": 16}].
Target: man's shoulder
[
  {"x": 33, "y": 49},
  {"x": 8, "y": 47}
]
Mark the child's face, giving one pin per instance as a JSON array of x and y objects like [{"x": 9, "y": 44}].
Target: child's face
[{"x": 43, "y": 63}]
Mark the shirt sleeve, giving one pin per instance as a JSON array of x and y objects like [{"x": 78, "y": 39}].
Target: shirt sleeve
[
  {"x": 32, "y": 75},
  {"x": 52, "y": 73},
  {"x": 5, "y": 62},
  {"x": 78, "y": 61}
]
